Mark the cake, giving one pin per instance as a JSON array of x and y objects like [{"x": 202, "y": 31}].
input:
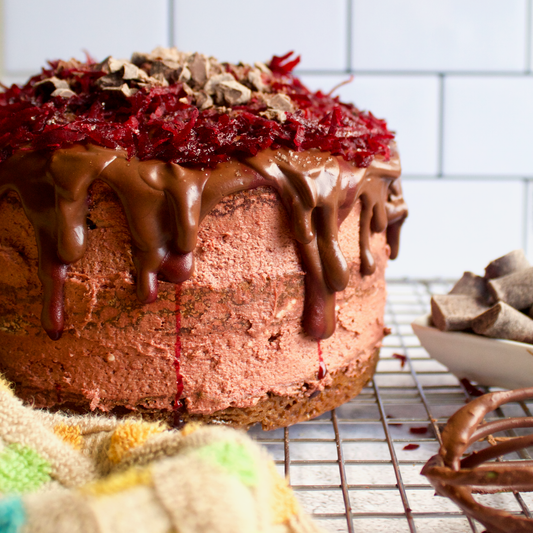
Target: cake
[{"x": 192, "y": 240}]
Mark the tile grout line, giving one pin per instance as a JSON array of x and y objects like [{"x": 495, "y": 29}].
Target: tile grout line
[
  {"x": 171, "y": 13},
  {"x": 349, "y": 41},
  {"x": 418, "y": 73},
  {"x": 529, "y": 37},
  {"x": 525, "y": 217},
  {"x": 440, "y": 133}
]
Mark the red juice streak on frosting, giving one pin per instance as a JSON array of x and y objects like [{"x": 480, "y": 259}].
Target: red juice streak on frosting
[
  {"x": 58, "y": 392},
  {"x": 179, "y": 407},
  {"x": 322, "y": 368},
  {"x": 177, "y": 348},
  {"x": 164, "y": 204}
]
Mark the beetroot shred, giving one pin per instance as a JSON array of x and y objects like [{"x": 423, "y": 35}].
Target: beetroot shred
[{"x": 162, "y": 123}]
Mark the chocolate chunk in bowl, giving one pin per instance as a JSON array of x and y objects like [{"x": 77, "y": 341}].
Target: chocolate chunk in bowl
[
  {"x": 458, "y": 477},
  {"x": 482, "y": 330}
]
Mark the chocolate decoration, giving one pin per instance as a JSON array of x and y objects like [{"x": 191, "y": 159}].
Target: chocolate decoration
[
  {"x": 508, "y": 264},
  {"x": 471, "y": 285},
  {"x": 164, "y": 204},
  {"x": 457, "y": 477},
  {"x": 502, "y": 321}
]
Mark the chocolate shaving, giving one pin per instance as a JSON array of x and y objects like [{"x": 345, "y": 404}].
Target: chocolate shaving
[
  {"x": 457, "y": 478},
  {"x": 123, "y": 89},
  {"x": 262, "y": 67},
  {"x": 232, "y": 93},
  {"x": 113, "y": 79},
  {"x": 203, "y": 100},
  {"x": 199, "y": 67},
  {"x": 185, "y": 75},
  {"x": 165, "y": 70},
  {"x": 51, "y": 85},
  {"x": 255, "y": 79},
  {"x": 63, "y": 93},
  {"x": 211, "y": 85},
  {"x": 278, "y": 105}
]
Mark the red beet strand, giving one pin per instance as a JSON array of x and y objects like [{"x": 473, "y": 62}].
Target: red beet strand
[
  {"x": 418, "y": 430},
  {"x": 471, "y": 389},
  {"x": 159, "y": 123},
  {"x": 401, "y": 357}
]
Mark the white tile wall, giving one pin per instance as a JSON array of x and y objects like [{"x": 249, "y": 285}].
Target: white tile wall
[
  {"x": 37, "y": 30},
  {"x": 410, "y": 104},
  {"x": 498, "y": 113},
  {"x": 529, "y": 37},
  {"x": 455, "y": 226},
  {"x": 252, "y": 30},
  {"x": 468, "y": 35},
  {"x": 452, "y": 77}
]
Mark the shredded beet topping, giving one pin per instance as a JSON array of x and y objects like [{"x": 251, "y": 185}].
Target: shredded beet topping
[{"x": 72, "y": 102}]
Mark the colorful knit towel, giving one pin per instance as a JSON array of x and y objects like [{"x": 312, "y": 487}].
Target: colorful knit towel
[{"x": 89, "y": 474}]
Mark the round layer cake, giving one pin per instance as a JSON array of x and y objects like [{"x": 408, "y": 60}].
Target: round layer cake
[{"x": 192, "y": 240}]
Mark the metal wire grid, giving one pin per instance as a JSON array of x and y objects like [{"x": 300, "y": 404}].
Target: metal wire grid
[{"x": 350, "y": 468}]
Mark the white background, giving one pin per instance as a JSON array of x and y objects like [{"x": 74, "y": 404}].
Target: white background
[{"x": 452, "y": 77}]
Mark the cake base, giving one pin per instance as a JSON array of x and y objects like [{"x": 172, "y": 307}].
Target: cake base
[
  {"x": 281, "y": 411},
  {"x": 272, "y": 412}
]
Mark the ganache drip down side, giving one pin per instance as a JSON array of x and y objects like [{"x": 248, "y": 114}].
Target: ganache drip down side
[{"x": 165, "y": 203}]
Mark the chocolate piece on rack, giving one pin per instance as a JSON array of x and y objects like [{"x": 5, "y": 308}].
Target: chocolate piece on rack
[
  {"x": 471, "y": 285},
  {"x": 514, "y": 289},
  {"x": 502, "y": 321},
  {"x": 457, "y": 478},
  {"x": 509, "y": 263},
  {"x": 455, "y": 312}
]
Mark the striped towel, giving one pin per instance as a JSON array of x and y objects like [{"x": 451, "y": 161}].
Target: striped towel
[{"x": 91, "y": 474}]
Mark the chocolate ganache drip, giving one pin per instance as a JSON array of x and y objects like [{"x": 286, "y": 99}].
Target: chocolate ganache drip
[{"x": 165, "y": 203}]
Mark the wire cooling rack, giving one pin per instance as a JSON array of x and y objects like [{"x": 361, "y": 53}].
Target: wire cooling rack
[{"x": 357, "y": 468}]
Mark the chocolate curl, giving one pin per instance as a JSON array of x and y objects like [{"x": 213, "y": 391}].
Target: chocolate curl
[
  {"x": 508, "y": 264},
  {"x": 455, "y": 312},
  {"x": 471, "y": 285},
  {"x": 504, "y": 322},
  {"x": 514, "y": 289}
]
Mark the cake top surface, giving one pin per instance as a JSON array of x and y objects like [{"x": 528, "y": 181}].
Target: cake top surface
[{"x": 184, "y": 108}]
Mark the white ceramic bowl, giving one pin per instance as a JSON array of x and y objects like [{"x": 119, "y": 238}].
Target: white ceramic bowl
[{"x": 490, "y": 362}]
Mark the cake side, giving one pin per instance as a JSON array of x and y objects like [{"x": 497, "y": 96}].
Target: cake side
[{"x": 116, "y": 353}]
